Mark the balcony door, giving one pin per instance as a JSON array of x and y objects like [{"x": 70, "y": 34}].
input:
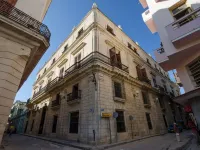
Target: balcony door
[
  {"x": 77, "y": 60},
  {"x": 115, "y": 58},
  {"x": 61, "y": 72}
]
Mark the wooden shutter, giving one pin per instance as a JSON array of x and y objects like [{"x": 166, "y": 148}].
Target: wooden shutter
[
  {"x": 118, "y": 58},
  {"x": 139, "y": 73},
  {"x": 112, "y": 56}
]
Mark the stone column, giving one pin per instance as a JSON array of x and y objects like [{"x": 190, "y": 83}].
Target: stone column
[{"x": 13, "y": 59}]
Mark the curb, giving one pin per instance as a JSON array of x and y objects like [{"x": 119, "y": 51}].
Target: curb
[{"x": 59, "y": 142}]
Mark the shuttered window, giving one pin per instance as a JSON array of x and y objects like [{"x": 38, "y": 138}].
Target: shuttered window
[
  {"x": 195, "y": 71},
  {"x": 145, "y": 97},
  {"x": 149, "y": 121}
]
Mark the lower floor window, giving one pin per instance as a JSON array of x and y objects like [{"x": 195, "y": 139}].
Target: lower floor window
[
  {"x": 120, "y": 122},
  {"x": 55, "y": 120},
  {"x": 149, "y": 121},
  {"x": 74, "y": 119}
]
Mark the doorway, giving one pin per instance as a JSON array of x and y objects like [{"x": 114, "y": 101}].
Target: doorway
[{"x": 42, "y": 120}]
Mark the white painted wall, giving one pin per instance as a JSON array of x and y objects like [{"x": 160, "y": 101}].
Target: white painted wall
[{"x": 35, "y": 8}]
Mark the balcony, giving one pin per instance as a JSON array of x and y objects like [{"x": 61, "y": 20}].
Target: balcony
[
  {"x": 74, "y": 97},
  {"x": 147, "y": 17},
  {"x": 55, "y": 104},
  {"x": 18, "y": 16},
  {"x": 185, "y": 30},
  {"x": 92, "y": 57}
]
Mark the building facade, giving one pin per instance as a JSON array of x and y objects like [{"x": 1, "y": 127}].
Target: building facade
[
  {"x": 23, "y": 41},
  {"x": 180, "y": 36},
  {"x": 17, "y": 116},
  {"x": 101, "y": 87}
]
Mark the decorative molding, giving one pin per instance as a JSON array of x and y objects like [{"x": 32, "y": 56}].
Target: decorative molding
[
  {"x": 62, "y": 63},
  {"x": 41, "y": 82},
  {"x": 78, "y": 48},
  {"x": 50, "y": 74}
]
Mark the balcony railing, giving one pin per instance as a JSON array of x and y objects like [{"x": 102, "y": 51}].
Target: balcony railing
[
  {"x": 186, "y": 19},
  {"x": 18, "y": 16},
  {"x": 94, "y": 56},
  {"x": 74, "y": 96},
  {"x": 160, "y": 50},
  {"x": 55, "y": 103}
]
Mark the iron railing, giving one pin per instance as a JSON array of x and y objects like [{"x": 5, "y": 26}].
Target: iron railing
[
  {"x": 94, "y": 56},
  {"x": 74, "y": 96},
  {"x": 18, "y": 16},
  {"x": 160, "y": 50},
  {"x": 186, "y": 19}
]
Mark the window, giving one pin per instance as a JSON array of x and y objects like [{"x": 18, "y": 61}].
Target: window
[
  {"x": 109, "y": 29},
  {"x": 162, "y": 104},
  {"x": 38, "y": 76},
  {"x": 75, "y": 91},
  {"x": 53, "y": 61},
  {"x": 149, "y": 121},
  {"x": 148, "y": 61},
  {"x": 74, "y": 121},
  {"x": 120, "y": 122},
  {"x": 65, "y": 48},
  {"x": 165, "y": 87},
  {"x": 145, "y": 97},
  {"x": 182, "y": 11},
  {"x": 77, "y": 60},
  {"x": 61, "y": 73},
  {"x": 80, "y": 32},
  {"x": 115, "y": 58},
  {"x": 55, "y": 120},
  {"x": 154, "y": 82},
  {"x": 194, "y": 69},
  {"x": 45, "y": 70},
  {"x": 32, "y": 125},
  {"x": 118, "y": 89},
  {"x": 129, "y": 46}
]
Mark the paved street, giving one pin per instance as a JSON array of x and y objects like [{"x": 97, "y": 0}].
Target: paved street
[
  {"x": 19, "y": 142},
  {"x": 165, "y": 142}
]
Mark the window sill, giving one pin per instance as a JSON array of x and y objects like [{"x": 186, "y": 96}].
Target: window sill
[
  {"x": 147, "y": 105},
  {"x": 119, "y": 99}
]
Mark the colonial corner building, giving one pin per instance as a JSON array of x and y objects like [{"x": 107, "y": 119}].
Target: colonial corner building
[
  {"x": 23, "y": 41},
  {"x": 101, "y": 87}
]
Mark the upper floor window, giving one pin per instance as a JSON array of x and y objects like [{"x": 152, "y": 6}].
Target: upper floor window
[
  {"x": 109, "y": 29},
  {"x": 65, "y": 48},
  {"x": 61, "y": 72},
  {"x": 38, "y": 76},
  {"x": 115, "y": 58},
  {"x": 145, "y": 97},
  {"x": 129, "y": 46},
  {"x": 45, "y": 69},
  {"x": 148, "y": 61},
  {"x": 194, "y": 69},
  {"x": 80, "y": 32},
  {"x": 118, "y": 89},
  {"x": 53, "y": 61},
  {"x": 182, "y": 11},
  {"x": 154, "y": 82},
  {"x": 77, "y": 60}
]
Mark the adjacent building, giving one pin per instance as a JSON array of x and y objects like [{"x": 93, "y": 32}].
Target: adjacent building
[
  {"x": 17, "y": 116},
  {"x": 23, "y": 41},
  {"x": 101, "y": 87},
  {"x": 177, "y": 23}
]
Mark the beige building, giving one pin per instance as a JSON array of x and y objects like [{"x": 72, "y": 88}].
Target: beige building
[
  {"x": 180, "y": 37},
  {"x": 23, "y": 41},
  {"x": 101, "y": 87}
]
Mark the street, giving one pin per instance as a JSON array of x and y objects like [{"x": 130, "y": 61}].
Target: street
[{"x": 19, "y": 142}]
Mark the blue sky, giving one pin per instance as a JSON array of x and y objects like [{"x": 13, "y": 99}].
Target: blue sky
[{"x": 63, "y": 15}]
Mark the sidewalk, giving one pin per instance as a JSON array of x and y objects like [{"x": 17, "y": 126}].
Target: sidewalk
[{"x": 163, "y": 142}]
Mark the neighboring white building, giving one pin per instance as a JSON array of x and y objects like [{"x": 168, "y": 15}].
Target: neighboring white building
[
  {"x": 23, "y": 41},
  {"x": 97, "y": 71},
  {"x": 178, "y": 23}
]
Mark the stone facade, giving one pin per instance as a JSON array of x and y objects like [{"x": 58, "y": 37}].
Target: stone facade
[{"x": 88, "y": 86}]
